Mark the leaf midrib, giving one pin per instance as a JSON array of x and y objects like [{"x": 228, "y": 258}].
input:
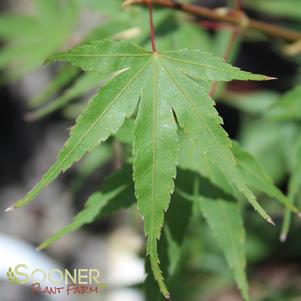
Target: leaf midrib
[
  {"x": 108, "y": 55},
  {"x": 154, "y": 134}
]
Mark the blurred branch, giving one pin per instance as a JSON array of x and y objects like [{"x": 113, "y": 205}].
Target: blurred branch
[
  {"x": 233, "y": 38},
  {"x": 238, "y": 5},
  {"x": 225, "y": 15}
]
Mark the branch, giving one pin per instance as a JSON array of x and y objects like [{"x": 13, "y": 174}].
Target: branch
[
  {"x": 227, "y": 16},
  {"x": 151, "y": 24},
  {"x": 238, "y": 5}
]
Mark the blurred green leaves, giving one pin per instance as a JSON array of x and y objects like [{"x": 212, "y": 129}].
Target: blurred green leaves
[
  {"x": 287, "y": 8},
  {"x": 29, "y": 40}
]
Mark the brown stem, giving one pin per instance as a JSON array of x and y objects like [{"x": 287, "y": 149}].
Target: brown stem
[
  {"x": 238, "y": 5},
  {"x": 234, "y": 36},
  {"x": 151, "y": 23},
  {"x": 226, "y": 16}
]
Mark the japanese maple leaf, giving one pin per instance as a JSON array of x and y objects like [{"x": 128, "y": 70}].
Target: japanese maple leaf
[{"x": 168, "y": 90}]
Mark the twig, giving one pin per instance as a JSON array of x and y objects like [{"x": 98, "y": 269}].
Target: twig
[
  {"x": 238, "y": 4},
  {"x": 151, "y": 23},
  {"x": 211, "y": 25},
  {"x": 227, "y": 16}
]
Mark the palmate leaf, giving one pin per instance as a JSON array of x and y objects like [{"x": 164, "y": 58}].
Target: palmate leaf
[{"x": 163, "y": 84}]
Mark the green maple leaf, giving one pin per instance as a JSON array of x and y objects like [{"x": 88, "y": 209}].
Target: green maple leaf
[{"x": 162, "y": 86}]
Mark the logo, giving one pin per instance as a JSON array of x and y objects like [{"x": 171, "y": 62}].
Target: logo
[
  {"x": 11, "y": 277},
  {"x": 56, "y": 281}
]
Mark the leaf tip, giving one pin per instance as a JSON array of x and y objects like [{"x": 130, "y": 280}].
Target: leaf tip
[
  {"x": 271, "y": 78},
  {"x": 42, "y": 246},
  {"x": 10, "y": 208},
  {"x": 283, "y": 237},
  {"x": 167, "y": 296},
  {"x": 47, "y": 61},
  {"x": 50, "y": 59},
  {"x": 259, "y": 77},
  {"x": 269, "y": 220}
]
